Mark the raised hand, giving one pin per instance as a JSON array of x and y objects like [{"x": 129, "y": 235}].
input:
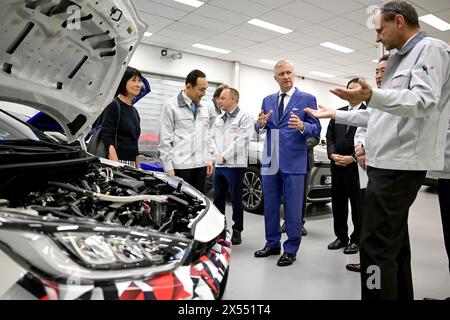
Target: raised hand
[
  {"x": 263, "y": 118},
  {"x": 355, "y": 96},
  {"x": 323, "y": 112}
]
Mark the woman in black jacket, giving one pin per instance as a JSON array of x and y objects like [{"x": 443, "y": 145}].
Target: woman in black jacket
[{"x": 127, "y": 122}]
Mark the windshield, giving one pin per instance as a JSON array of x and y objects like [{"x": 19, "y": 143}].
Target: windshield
[{"x": 11, "y": 128}]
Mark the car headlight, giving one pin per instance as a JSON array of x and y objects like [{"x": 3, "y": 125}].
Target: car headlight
[
  {"x": 115, "y": 252},
  {"x": 90, "y": 256}
]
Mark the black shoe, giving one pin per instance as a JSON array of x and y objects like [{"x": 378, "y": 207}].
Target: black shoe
[
  {"x": 267, "y": 252},
  {"x": 352, "y": 248},
  {"x": 236, "y": 238},
  {"x": 283, "y": 227},
  {"x": 336, "y": 244},
  {"x": 304, "y": 232},
  {"x": 286, "y": 259},
  {"x": 355, "y": 267}
]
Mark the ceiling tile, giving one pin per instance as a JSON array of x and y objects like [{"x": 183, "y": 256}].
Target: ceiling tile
[
  {"x": 161, "y": 10},
  {"x": 167, "y": 42},
  {"x": 245, "y": 7},
  {"x": 284, "y": 20},
  {"x": 285, "y": 44},
  {"x": 223, "y": 24},
  {"x": 433, "y": 5},
  {"x": 344, "y": 26},
  {"x": 206, "y": 23},
  {"x": 301, "y": 38},
  {"x": 369, "y": 36},
  {"x": 179, "y": 35},
  {"x": 305, "y": 11},
  {"x": 354, "y": 43},
  {"x": 272, "y": 3},
  {"x": 153, "y": 20},
  {"x": 317, "y": 52},
  {"x": 444, "y": 15},
  {"x": 249, "y": 34},
  {"x": 337, "y": 7},
  {"x": 226, "y": 38},
  {"x": 190, "y": 29},
  {"x": 321, "y": 33},
  {"x": 222, "y": 14}
]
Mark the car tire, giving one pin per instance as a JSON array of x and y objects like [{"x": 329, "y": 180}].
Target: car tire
[
  {"x": 223, "y": 285},
  {"x": 252, "y": 195}
]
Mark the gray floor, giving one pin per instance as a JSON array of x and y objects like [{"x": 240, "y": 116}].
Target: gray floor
[{"x": 320, "y": 273}]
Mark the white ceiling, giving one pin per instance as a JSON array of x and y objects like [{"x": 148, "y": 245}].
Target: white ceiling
[{"x": 223, "y": 24}]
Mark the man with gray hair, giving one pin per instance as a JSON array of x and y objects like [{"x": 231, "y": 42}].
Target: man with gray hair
[
  {"x": 406, "y": 133},
  {"x": 285, "y": 161}
]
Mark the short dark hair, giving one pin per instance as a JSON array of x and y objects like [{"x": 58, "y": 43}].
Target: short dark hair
[
  {"x": 392, "y": 8},
  {"x": 193, "y": 76},
  {"x": 384, "y": 58},
  {"x": 219, "y": 90},
  {"x": 354, "y": 80},
  {"x": 129, "y": 74}
]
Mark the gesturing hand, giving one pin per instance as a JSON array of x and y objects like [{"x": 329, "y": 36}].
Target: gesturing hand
[
  {"x": 295, "y": 122},
  {"x": 323, "y": 112},
  {"x": 263, "y": 118},
  {"x": 355, "y": 96}
]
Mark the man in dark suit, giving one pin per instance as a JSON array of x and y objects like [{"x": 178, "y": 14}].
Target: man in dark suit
[
  {"x": 345, "y": 180},
  {"x": 285, "y": 161}
]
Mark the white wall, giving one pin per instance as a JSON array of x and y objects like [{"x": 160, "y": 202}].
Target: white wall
[
  {"x": 254, "y": 83},
  {"x": 148, "y": 58}
]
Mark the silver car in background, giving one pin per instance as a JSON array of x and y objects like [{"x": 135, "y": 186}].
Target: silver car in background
[{"x": 319, "y": 182}]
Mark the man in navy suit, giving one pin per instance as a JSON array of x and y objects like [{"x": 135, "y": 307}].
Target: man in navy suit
[{"x": 284, "y": 164}]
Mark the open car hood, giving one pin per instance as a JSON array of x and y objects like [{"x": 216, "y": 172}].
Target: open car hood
[{"x": 66, "y": 57}]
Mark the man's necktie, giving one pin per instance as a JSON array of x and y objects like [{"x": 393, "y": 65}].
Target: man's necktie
[
  {"x": 193, "y": 107},
  {"x": 225, "y": 117},
  {"x": 281, "y": 106}
]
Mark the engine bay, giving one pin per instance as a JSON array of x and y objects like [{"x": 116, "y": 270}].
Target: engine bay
[{"x": 92, "y": 190}]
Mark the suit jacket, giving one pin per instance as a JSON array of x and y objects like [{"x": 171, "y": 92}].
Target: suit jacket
[
  {"x": 288, "y": 152},
  {"x": 340, "y": 138}
]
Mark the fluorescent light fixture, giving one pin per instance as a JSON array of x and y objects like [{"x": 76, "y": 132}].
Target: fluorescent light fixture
[
  {"x": 209, "y": 48},
  {"x": 269, "y": 26},
  {"x": 147, "y": 34},
  {"x": 337, "y": 47},
  {"x": 271, "y": 62},
  {"x": 192, "y": 3},
  {"x": 321, "y": 74},
  {"x": 435, "y": 22},
  {"x": 375, "y": 60}
]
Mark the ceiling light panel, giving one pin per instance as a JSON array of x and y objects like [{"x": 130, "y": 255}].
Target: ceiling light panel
[
  {"x": 337, "y": 47},
  {"x": 269, "y": 26},
  {"x": 210, "y": 48},
  {"x": 192, "y": 3}
]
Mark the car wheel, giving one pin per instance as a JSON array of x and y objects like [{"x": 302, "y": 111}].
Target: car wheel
[
  {"x": 252, "y": 195},
  {"x": 223, "y": 285}
]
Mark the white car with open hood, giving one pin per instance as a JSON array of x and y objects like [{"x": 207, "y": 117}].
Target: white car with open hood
[{"x": 73, "y": 226}]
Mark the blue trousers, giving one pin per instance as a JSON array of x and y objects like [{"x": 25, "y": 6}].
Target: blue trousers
[
  {"x": 230, "y": 179},
  {"x": 292, "y": 186}
]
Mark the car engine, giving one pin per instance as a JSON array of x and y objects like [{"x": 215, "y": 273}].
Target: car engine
[{"x": 113, "y": 195}]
